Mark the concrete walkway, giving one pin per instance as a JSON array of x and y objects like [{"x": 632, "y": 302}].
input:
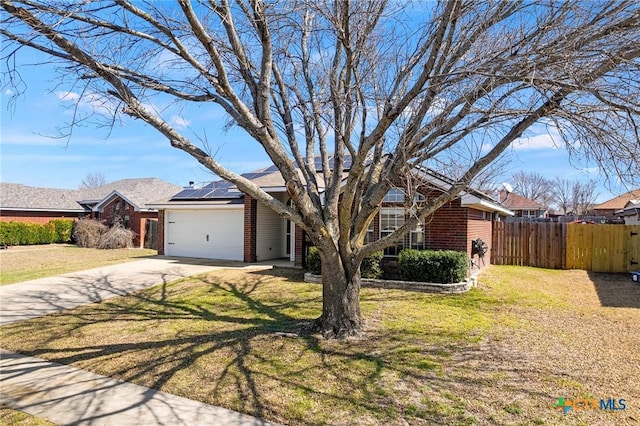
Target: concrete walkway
[{"x": 66, "y": 395}]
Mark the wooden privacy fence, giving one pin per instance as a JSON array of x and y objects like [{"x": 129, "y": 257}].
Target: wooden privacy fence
[{"x": 601, "y": 248}]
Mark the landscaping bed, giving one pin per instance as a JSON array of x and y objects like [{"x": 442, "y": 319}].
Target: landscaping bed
[{"x": 451, "y": 288}]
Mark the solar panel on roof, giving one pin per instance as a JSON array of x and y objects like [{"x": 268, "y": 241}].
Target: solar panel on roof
[
  {"x": 346, "y": 162},
  {"x": 191, "y": 193}
]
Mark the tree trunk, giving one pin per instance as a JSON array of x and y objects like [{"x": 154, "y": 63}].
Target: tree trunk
[{"x": 340, "y": 298}]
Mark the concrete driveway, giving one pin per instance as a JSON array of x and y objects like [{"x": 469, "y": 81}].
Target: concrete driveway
[
  {"x": 43, "y": 296},
  {"x": 66, "y": 395}
]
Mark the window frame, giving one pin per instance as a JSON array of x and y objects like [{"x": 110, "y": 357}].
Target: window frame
[{"x": 393, "y": 222}]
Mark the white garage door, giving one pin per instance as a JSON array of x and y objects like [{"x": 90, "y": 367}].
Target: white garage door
[{"x": 212, "y": 234}]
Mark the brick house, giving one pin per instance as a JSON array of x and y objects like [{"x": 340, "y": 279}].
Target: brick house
[
  {"x": 122, "y": 201},
  {"x": 218, "y": 221},
  {"x": 610, "y": 207},
  {"x": 521, "y": 206}
]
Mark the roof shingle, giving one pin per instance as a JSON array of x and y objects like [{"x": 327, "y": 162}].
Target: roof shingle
[{"x": 140, "y": 191}]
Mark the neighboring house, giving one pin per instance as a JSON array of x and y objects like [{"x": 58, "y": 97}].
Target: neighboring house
[
  {"x": 124, "y": 201},
  {"x": 609, "y": 208},
  {"x": 630, "y": 213},
  {"x": 521, "y": 206},
  {"x": 218, "y": 221}
]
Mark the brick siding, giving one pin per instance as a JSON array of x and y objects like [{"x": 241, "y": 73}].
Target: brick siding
[
  {"x": 137, "y": 220},
  {"x": 480, "y": 225},
  {"x": 299, "y": 247},
  {"x": 35, "y": 217},
  {"x": 161, "y": 232},
  {"x": 250, "y": 228},
  {"x": 446, "y": 228}
]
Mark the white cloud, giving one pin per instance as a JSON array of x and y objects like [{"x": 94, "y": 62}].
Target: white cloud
[
  {"x": 89, "y": 101},
  {"x": 543, "y": 137},
  {"x": 537, "y": 142},
  {"x": 10, "y": 137},
  {"x": 591, "y": 170},
  {"x": 8, "y": 92},
  {"x": 68, "y": 96},
  {"x": 179, "y": 121}
]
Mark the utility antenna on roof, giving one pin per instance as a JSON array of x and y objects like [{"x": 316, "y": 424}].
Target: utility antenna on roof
[{"x": 507, "y": 187}]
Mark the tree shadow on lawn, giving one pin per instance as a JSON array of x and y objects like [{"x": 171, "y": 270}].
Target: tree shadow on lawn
[
  {"x": 616, "y": 290},
  {"x": 247, "y": 352}
]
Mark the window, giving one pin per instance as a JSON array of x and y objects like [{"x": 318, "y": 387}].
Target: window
[
  {"x": 416, "y": 237},
  {"x": 391, "y": 218},
  {"x": 394, "y": 196},
  {"x": 368, "y": 237},
  {"x": 418, "y": 197}
]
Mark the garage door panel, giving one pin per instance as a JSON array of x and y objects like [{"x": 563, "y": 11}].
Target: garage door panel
[{"x": 207, "y": 234}]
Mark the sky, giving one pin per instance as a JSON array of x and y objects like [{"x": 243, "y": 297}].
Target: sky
[{"x": 31, "y": 154}]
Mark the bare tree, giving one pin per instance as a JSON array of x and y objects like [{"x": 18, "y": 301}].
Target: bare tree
[
  {"x": 563, "y": 194},
  {"x": 486, "y": 180},
  {"x": 584, "y": 197},
  {"x": 533, "y": 186},
  {"x": 573, "y": 196},
  {"x": 93, "y": 180},
  {"x": 394, "y": 86}
]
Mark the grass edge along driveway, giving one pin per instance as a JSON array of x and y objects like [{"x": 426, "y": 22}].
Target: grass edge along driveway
[{"x": 24, "y": 263}]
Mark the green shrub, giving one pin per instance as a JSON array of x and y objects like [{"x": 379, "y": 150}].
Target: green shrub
[
  {"x": 442, "y": 266},
  {"x": 313, "y": 261},
  {"x": 370, "y": 267},
  {"x": 63, "y": 229},
  {"x": 21, "y": 233}
]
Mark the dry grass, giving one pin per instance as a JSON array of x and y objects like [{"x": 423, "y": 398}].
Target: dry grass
[
  {"x": 18, "y": 418},
  {"x": 500, "y": 354},
  {"x": 24, "y": 263}
]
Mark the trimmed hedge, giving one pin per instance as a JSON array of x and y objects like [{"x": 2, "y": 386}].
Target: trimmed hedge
[
  {"x": 63, "y": 229},
  {"x": 22, "y": 233},
  {"x": 370, "y": 267},
  {"x": 441, "y": 266}
]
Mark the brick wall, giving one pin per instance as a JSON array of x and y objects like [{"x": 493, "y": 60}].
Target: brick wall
[
  {"x": 480, "y": 226},
  {"x": 161, "y": 214},
  {"x": 35, "y": 217},
  {"x": 139, "y": 226},
  {"x": 446, "y": 229},
  {"x": 299, "y": 246},
  {"x": 132, "y": 219},
  {"x": 250, "y": 221}
]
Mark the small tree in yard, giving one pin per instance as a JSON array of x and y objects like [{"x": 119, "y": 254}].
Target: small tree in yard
[{"x": 392, "y": 85}]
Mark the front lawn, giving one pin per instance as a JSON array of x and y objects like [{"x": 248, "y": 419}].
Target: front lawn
[
  {"x": 500, "y": 354},
  {"x": 22, "y": 263}
]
